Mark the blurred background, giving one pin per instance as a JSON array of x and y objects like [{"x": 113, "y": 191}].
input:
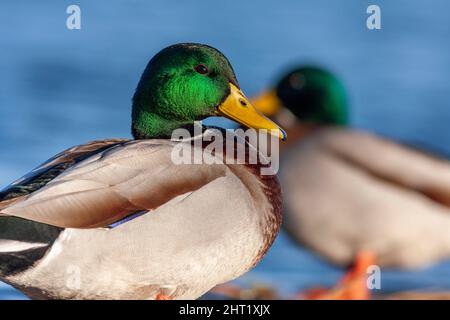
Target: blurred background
[{"x": 61, "y": 87}]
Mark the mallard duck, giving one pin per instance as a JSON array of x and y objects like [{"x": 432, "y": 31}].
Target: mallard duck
[
  {"x": 117, "y": 219},
  {"x": 346, "y": 190}
]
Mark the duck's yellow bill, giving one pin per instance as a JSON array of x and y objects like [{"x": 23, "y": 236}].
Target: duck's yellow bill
[
  {"x": 267, "y": 102},
  {"x": 238, "y": 108}
]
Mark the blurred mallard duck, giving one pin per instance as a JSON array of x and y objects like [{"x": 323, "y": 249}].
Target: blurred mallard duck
[
  {"x": 117, "y": 219},
  {"x": 346, "y": 190}
]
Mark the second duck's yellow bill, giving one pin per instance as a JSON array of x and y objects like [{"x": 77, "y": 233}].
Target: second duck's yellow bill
[
  {"x": 267, "y": 102},
  {"x": 238, "y": 108}
]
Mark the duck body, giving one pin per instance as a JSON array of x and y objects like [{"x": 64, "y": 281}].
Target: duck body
[
  {"x": 172, "y": 248},
  {"x": 350, "y": 194},
  {"x": 347, "y": 191}
]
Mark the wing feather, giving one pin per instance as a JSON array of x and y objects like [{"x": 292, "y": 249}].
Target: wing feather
[
  {"x": 133, "y": 176},
  {"x": 52, "y": 168},
  {"x": 393, "y": 162}
]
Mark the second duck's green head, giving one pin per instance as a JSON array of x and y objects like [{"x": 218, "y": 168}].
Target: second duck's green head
[
  {"x": 187, "y": 82},
  {"x": 312, "y": 94}
]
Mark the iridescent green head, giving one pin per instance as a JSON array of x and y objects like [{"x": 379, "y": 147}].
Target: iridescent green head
[
  {"x": 312, "y": 94},
  {"x": 184, "y": 83}
]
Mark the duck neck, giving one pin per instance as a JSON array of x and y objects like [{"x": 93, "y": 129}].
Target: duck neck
[
  {"x": 297, "y": 132},
  {"x": 146, "y": 125}
]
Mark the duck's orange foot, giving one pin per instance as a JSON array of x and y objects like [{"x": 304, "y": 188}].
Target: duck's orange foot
[
  {"x": 352, "y": 286},
  {"x": 160, "y": 296}
]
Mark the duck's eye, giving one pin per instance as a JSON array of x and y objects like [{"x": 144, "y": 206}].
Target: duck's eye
[
  {"x": 297, "y": 81},
  {"x": 202, "y": 69}
]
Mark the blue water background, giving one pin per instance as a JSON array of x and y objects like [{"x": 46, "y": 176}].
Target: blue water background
[{"x": 60, "y": 87}]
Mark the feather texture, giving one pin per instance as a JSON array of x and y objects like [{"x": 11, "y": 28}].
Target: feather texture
[
  {"x": 347, "y": 191},
  {"x": 112, "y": 184}
]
